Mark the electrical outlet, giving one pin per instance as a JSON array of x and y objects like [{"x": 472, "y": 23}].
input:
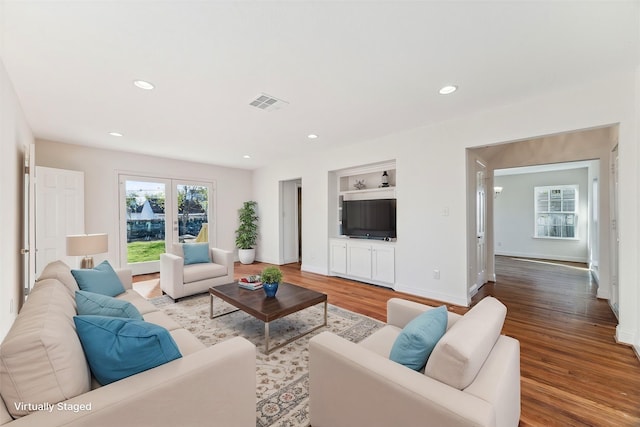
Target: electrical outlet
[{"x": 436, "y": 274}]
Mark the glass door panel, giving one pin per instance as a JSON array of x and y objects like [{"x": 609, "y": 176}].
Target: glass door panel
[
  {"x": 192, "y": 205},
  {"x": 145, "y": 222}
]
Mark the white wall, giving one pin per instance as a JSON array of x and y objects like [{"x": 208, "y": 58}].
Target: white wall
[
  {"x": 15, "y": 138},
  {"x": 514, "y": 216},
  {"x": 101, "y": 167},
  {"x": 431, "y": 176}
]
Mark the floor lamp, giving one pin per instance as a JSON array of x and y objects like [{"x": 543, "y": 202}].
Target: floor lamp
[{"x": 86, "y": 245}]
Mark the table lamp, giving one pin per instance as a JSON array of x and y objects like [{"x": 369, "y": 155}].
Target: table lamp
[{"x": 86, "y": 245}]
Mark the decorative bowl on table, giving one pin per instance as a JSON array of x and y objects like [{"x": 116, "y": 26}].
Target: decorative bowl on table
[{"x": 270, "y": 289}]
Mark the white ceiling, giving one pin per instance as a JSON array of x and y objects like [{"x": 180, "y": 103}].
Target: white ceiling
[{"x": 351, "y": 71}]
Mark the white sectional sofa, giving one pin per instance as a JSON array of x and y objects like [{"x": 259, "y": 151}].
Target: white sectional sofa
[
  {"x": 472, "y": 377},
  {"x": 45, "y": 379}
]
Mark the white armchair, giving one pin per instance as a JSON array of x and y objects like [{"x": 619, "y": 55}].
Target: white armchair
[
  {"x": 178, "y": 280},
  {"x": 472, "y": 378}
]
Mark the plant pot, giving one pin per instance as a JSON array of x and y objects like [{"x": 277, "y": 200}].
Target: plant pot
[
  {"x": 247, "y": 256},
  {"x": 270, "y": 289}
]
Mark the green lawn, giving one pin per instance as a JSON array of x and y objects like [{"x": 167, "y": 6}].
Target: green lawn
[{"x": 144, "y": 251}]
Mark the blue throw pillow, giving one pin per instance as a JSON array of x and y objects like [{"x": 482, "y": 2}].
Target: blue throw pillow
[
  {"x": 117, "y": 348},
  {"x": 195, "y": 253},
  {"x": 100, "y": 280},
  {"x": 415, "y": 343},
  {"x": 102, "y": 305}
]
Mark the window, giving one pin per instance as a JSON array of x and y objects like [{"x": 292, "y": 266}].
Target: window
[{"x": 556, "y": 212}]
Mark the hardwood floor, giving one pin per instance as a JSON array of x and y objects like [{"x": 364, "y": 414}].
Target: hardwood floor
[{"x": 572, "y": 371}]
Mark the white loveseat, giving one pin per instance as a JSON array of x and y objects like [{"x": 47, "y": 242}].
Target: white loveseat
[
  {"x": 179, "y": 280},
  {"x": 472, "y": 378},
  {"x": 42, "y": 364}
]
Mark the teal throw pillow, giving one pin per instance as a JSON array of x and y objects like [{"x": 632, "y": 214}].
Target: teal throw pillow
[
  {"x": 102, "y": 305},
  {"x": 100, "y": 280},
  {"x": 415, "y": 343},
  {"x": 117, "y": 348},
  {"x": 195, "y": 253}
]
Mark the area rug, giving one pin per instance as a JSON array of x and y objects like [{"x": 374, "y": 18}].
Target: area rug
[{"x": 282, "y": 377}]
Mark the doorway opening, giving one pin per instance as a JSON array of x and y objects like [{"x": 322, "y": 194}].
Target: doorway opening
[
  {"x": 576, "y": 146},
  {"x": 291, "y": 221},
  {"x": 160, "y": 212}
]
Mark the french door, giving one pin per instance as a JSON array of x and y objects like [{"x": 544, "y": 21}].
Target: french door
[{"x": 158, "y": 212}]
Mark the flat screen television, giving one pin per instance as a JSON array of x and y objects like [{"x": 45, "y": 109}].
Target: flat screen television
[{"x": 374, "y": 219}]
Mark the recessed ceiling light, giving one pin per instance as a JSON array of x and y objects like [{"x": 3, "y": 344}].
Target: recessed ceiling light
[
  {"x": 115, "y": 134},
  {"x": 446, "y": 90},
  {"x": 312, "y": 136},
  {"x": 143, "y": 84},
  {"x": 246, "y": 156}
]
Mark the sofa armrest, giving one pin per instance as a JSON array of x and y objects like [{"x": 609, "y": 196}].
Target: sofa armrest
[
  {"x": 126, "y": 277},
  {"x": 222, "y": 257},
  {"x": 350, "y": 385},
  {"x": 401, "y": 311},
  {"x": 171, "y": 274},
  {"x": 215, "y": 386}
]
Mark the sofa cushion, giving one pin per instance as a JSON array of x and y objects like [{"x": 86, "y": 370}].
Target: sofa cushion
[
  {"x": 101, "y": 280},
  {"x": 117, "y": 348},
  {"x": 461, "y": 352},
  {"x": 415, "y": 343},
  {"x": 60, "y": 271},
  {"x": 196, "y": 272},
  {"x": 141, "y": 304},
  {"x": 196, "y": 253},
  {"x": 41, "y": 358},
  {"x": 381, "y": 341},
  {"x": 102, "y": 305}
]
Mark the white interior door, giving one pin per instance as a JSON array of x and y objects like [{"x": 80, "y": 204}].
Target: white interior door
[
  {"x": 481, "y": 226},
  {"x": 59, "y": 213},
  {"x": 29, "y": 221},
  {"x": 615, "y": 236}
]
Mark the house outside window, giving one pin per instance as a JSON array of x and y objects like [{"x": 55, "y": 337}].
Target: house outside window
[{"x": 556, "y": 212}]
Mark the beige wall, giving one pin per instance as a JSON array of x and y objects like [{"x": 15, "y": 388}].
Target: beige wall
[
  {"x": 101, "y": 168},
  {"x": 15, "y": 139}
]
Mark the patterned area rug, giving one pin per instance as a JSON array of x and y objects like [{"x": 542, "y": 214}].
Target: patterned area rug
[{"x": 282, "y": 376}]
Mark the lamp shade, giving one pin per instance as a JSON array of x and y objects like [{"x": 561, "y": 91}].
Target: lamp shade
[{"x": 87, "y": 244}]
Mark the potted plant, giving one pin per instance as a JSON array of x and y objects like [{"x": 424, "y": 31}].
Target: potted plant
[
  {"x": 271, "y": 277},
  {"x": 247, "y": 232}
]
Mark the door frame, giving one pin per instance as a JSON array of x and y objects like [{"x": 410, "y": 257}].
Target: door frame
[{"x": 171, "y": 220}]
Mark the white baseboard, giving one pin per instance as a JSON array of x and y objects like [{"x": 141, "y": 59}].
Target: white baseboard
[
  {"x": 438, "y": 296},
  {"x": 625, "y": 336},
  {"x": 542, "y": 256},
  {"x": 313, "y": 269}
]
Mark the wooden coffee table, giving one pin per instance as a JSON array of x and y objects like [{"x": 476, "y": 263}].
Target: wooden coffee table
[{"x": 289, "y": 299}]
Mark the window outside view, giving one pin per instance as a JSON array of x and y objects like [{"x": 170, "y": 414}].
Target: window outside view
[
  {"x": 556, "y": 211},
  {"x": 146, "y": 218}
]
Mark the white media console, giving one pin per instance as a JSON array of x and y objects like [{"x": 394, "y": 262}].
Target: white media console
[{"x": 365, "y": 260}]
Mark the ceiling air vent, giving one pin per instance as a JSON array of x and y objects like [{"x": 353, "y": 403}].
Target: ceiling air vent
[{"x": 268, "y": 102}]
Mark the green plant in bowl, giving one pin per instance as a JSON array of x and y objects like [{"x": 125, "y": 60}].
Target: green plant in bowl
[{"x": 271, "y": 275}]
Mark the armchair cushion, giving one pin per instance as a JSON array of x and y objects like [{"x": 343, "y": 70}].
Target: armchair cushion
[
  {"x": 195, "y": 272},
  {"x": 102, "y": 305},
  {"x": 461, "y": 352},
  {"x": 196, "y": 253},
  {"x": 101, "y": 279},
  {"x": 117, "y": 348},
  {"x": 415, "y": 343}
]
